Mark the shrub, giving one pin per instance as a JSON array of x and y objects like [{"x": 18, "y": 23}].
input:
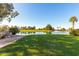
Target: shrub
[
  {"x": 4, "y": 28},
  {"x": 14, "y": 30},
  {"x": 74, "y": 32},
  {"x": 2, "y": 36}
]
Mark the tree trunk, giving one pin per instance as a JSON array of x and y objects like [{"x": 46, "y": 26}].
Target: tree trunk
[{"x": 72, "y": 25}]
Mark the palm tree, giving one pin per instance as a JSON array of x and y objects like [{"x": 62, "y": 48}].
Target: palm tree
[{"x": 73, "y": 19}]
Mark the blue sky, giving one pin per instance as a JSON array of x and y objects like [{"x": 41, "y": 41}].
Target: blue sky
[{"x": 41, "y": 14}]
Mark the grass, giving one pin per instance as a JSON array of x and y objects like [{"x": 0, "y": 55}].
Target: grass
[
  {"x": 35, "y": 30},
  {"x": 43, "y": 45}
]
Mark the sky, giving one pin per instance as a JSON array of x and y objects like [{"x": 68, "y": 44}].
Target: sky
[{"x": 41, "y": 14}]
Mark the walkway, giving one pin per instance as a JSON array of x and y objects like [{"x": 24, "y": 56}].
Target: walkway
[{"x": 6, "y": 41}]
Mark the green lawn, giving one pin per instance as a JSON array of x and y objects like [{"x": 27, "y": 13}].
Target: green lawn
[{"x": 43, "y": 45}]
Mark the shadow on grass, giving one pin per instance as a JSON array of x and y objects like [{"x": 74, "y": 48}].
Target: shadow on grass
[{"x": 43, "y": 45}]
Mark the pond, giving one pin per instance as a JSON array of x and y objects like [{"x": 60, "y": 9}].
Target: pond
[
  {"x": 60, "y": 32},
  {"x": 40, "y": 33}
]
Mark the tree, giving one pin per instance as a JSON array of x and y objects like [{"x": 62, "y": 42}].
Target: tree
[
  {"x": 73, "y": 19},
  {"x": 7, "y": 11},
  {"x": 14, "y": 30},
  {"x": 33, "y": 27},
  {"x": 29, "y": 27},
  {"x": 70, "y": 29},
  {"x": 49, "y": 27},
  {"x": 62, "y": 29}
]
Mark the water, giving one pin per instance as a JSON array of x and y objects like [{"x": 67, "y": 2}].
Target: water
[
  {"x": 59, "y": 32},
  {"x": 41, "y": 33}
]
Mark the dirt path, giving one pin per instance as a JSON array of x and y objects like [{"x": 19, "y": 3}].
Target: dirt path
[{"x": 6, "y": 41}]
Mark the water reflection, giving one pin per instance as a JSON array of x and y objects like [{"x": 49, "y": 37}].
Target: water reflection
[{"x": 40, "y": 33}]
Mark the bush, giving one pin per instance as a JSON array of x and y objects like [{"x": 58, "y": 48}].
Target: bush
[
  {"x": 4, "y": 28},
  {"x": 2, "y": 36},
  {"x": 74, "y": 32},
  {"x": 14, "y": 30}
]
